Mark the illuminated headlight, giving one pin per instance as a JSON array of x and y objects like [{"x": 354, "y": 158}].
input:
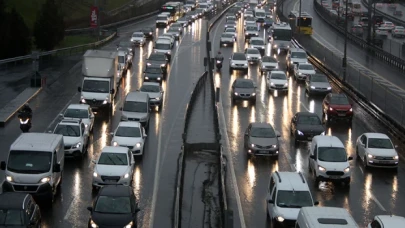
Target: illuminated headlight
[
  {"x": 330, "y": 109},
  {"x": 86, "y": 125},
  {"x": 157, "y": 98},
  {"x": 129, "y": 225},
  {"x": 150, "y": 33},
  {"x": 138, "y": 145},
  {"x": 396, "y": 157},
  {"x": 323, "y": 133},
  {"x": 146, "y": 78},
  {"x": 252, "y": 145},
  {"x": 95, "y": 174},
  {"x": 168, "y": 52},
  {"x": 105, "y": 101},
  {"x": 300, "y": 73},
  {"x": 260, "y": 57},
  {"x": 115, "y": 143},
  {"x": 351, "y": 110},
  {"x": 291, "y": 62},
  {"x": 9, "y": 178},
  {"x": 321, "y": 168},
  {"x": 45, "y": 179},
  {"x": 248, "y": 57},
  {"x": 83, "y": 100},
  {"x": 77, "y": 145},
  {"x": 286, "y": 84},
  {"x": 126, "y": 176},
  {"x": 370, "y": 156},
  {"x": 312, "y": 87},
  {"x": 148, "y": 64},
  {"x": 272, "y": 83},
  {"x": 347, "y": 170},
  {"x": 132, "y": 40},
  {"x": 280, "y": 219},
  {"x": 162, "y": 65},
  {"x": 253, "y": 94},
  {"x": 158, "y": 78},
  {"x": 274, "y": 146},
  {"x": 236, "y": 94},
  {"x": 256, "y": 34},
  {"x": 177, "y": 34},
  {"x": 24, "y": 121},
  {"x": 233, "y": 64},
  {"x": 300, "y": 132},
  {"x": 329, "y": 88},
  {"x": 93, "y": 224},
  {"x": 276, "y": 46},
  {"x": 246, "y": 34}
]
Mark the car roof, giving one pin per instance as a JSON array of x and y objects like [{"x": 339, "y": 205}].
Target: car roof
[
  {"x": 277, "y": 72},
  {"x": 136, "y": 96},
  {"x": 376, "y": 135},
  {"x": 13, "y": 200},
  {"x": 251, "y": 49},
  {"x": 115, "y": 149},
  {"x": 129, "y": 124},
  {"x": 391, "y": 220},
  {"x": 328, "y": 141},
  {"x": 290, "y": 181},
  {"x": 261, "y": 125},
  {"x": 69, "y": 122},
  {"x": 151, "y": 83},
  {"x": 328, "y": 214},
  {"x": 228, "y": 33},
  {"x": 162, "y": 41},
  {"x": 115, "y": 190},
  {"x": 78, "y": 106}
]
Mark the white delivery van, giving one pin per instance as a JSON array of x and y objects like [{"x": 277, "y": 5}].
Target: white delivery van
[
  {"x": 35, "y": 165},
  {"x": 323, "y": 217}
]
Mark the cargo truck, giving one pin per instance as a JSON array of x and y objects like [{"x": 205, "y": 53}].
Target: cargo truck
[{"x": 100, "y": 79}]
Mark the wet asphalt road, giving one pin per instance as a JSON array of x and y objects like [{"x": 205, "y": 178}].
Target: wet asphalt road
[
  {"x": 163, "y": 141},
  {"x": 371, "y": 193}
]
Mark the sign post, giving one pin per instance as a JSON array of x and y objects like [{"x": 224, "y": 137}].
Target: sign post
[{"x": 94, "y": 17}]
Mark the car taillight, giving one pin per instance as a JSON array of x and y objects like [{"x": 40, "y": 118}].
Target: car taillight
[{"x": 395, "y": 30}]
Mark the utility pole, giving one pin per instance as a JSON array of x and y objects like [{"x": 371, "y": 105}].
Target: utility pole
[
  {"x": 370, "y": 9},
  {"x": 299, "y": 21},
  {"x": 344, "y": 63}
]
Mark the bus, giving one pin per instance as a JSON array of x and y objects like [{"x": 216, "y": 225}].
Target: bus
[
  {"x": 301, "y": 25},
  {"x": 176, "y": 9},
  {"x": 280, "y": 36}
]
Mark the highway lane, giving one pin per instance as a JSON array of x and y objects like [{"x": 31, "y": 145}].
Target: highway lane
[
  {"x": 70, "y": 207},
  {"x": 371, "y": 192},
  {"x": 383, "y": 7},
  {"x": 327, "y": 35}
]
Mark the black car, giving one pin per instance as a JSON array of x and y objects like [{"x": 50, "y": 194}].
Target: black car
[
  {"x": 153, "y": 73},
  {"x": 114, "y": 206},
  {"x": 148, "y": 32},
  {"x": 19, "y": 210},
  {"x": 243, "y": 89},
  {"x": 306, "y": 125},
  {"x": 158, "y": 59}
]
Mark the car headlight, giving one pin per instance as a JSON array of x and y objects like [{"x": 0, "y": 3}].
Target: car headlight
[
  {"x": 95, "y": 174},
  {"x": 329, "y": 88},
  {"x": 45, "y": 179},
  {"x": 236, "y": 93},
  {"x": 146, "y": 78},
  {"x": 300, "y": 132},
  {"x": 274, "y": 146},
  {"x": 86, "y": 125},
  {"x": 253, "y": 94},
  {"x": 150, "y": 33},
  {"x": 312, "y": 87},
  {"x": 256, "y": 34},
  {"x": 299, "y": 73},
  {"x": 370, "y": 156},
  {"x": 248, "y": 57},
  {"x": 321, "y": 168},
  {"x": 168, "y": 52},
  {"x": 246, "y": 33},
  {"x": 233, "y": 64},
  {"x": 126, "y": 176},
  {"x": 252, "y": 145},
  {"x": 351, "y": 110},
  {"x": 129, "y": 225},
  {"x": 272, "y": 83},
  {"x": 158, "y": 78},
  {"x": 93, "y": 224},
  {"x": 138, "y": 145},
  {"x": 105, "y": 101},
  {"x": 396, "y": 157},
  {"x": 77, "y": 145},
  {"x": 148, "y": 64},
  {"x": 115, "y": 143},
  {"x": 323, "y": 133},
  {"x": 9, "y": 178},
  {"x": 330, "y": 109},
  {"x": 347, "y": 169},
  {"x": 286, "y": 84},
  {"x": 280, "y": 219},
  {"x": 162, "y": 65},
  {"x": 83, "y": 100}
]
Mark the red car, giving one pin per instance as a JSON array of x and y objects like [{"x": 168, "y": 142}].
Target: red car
[{"x": 336, "y": 106}]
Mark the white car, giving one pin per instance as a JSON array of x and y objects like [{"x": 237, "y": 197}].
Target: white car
[
  {"x": 253, "y": 55},
  {"x": 138, "y": 38},
  {"x": 168, "y": 37},
  {"x": 302, "y": 70},
  {"x": 75, "y": 137},
  {"x": 114, "y": 166},
  {"x": 178, "y": 26},
  {"x": 163, "y": 46},
  {"x": 376, "y": 150},
  {"x": 81, "y": 112},
  {"x": 398, "y": 31},
  {"x": 387, "y": 221},
  {"x": 258, "y": 43},
  {"x": 175, "y": 32},
  {"x": 381, "y": 32},
  {"x": 231, "y": 30},
  {"x": 155, "y": 92},
  {"x": 250, "y": 24},
  {"x": 130, "y": 134},
  {"x": 250, "y": 20},
  {"x": 268, "y": 63},
  {"x": 277, "y": 80},
  {"x": 238, "y": 61},
  {"x": 295, "y": 56},
  {"x": 387, "y": 25},
  {"x": 227, "y": 39}
]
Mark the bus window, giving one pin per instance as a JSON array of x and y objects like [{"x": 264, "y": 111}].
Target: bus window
[{"x": 305, "y": 22}]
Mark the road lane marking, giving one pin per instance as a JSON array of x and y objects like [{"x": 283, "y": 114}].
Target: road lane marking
[
  {"x": 225, "y": 132},
  {"x": 57, "y": 116},
  {"x": 289, "y": 158},
  {"x": 69, "y": 211},
  {"x": 376, "y": 200}
]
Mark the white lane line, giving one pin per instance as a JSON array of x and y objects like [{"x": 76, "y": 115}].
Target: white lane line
[
  {"x": 289, "y": 158},
  {"x": 305, "y": 107},
  {"x": 57, "y": 116},
  {"x": 227, "y": 147},
  {"x": 69, "y": 211},
  {"x": 376, "y": 201}
]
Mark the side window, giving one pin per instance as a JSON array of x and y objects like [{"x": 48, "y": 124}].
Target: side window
[
  {"x": 273, "y": 197},
  {"x": 272, "y": 183},
  {"x": 365, "y": 141},
  {"x": 375, "y": 224},
  {"x": 82, "y": 128},
  {"x": 314, "y": 151}
]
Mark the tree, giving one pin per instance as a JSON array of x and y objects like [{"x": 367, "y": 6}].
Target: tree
[
  {"x": 3, "y": 26},
  {"x": 49, "y": 28}
]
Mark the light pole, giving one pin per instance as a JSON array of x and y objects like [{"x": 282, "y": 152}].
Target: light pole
[
  {"x": 344, "y": 60},
  {"x": 370, "y": 8},
  {"x": 299, "y": 21}
]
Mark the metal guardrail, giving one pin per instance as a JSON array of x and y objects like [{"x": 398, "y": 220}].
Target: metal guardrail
[
  {"x": 373, "y": 50},
  {"x": 121, "y": 8},
  {"x": 387, "y": 16}
]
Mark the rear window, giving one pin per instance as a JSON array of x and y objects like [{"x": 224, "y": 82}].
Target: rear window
[
  {"x": 239, "y": 56},
  {"x": 332, "y": 221}
]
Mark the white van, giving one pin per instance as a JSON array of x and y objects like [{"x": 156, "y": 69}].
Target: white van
[
  {"x": 323, "y": 217},
  {"x": 35, "y": 165},
  {"x": 260, "y": 15},
  {"x": 163, "y": 46}
]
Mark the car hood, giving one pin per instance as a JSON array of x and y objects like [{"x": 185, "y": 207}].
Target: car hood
[
  {"x": 70, "y": 141},
  {"x": 111, "y": 170},
  {"x": 239, "y": 61},
  {"x": 320, "y": 84},
  {"x": 334, "y": 166},
  {"x": 278, "y": 81},
  {"x": 288, "y": 213},
  {"x": 309, "y": 128},
  {"x": 244, "y": 90},
  {"x": 137, "y": 115},
  {"x": 257, "y": 46},
  {"x": 95, "y": 96},
  {"x": 307, "y": 71},
  {"x": 269, "y": 64},
  {"x": 126, "y": 141},
  {"x": 111, "y": 220},
  {"x": 152, "y": 95},
  {"x": 340, "y": 107},
  {"x": 226, "y": 39},
  {"x": 382, "y": 152},
  {"x": 263, "y": 141}
]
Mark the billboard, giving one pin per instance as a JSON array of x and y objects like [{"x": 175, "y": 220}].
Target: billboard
[{"x": 93, "y": 17}]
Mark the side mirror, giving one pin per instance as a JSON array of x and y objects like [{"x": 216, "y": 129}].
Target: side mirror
[
  {"x": 312, "y": 156},
  {"x": 61, "y": 115},
  {"x": 270, "y": 201},
  {"x": 137, "y": 210},
  {"x": 121, "y": 108},
  {"x": 3, "y": 165},
  {"x": 56, "y": 168},
  {"x": 90, "y": 209},
  {"x": 111, "y": 133},
  {"x": 316, "y": 203},
  {"x": 112, "y": 91},
  {"x": 79, "y": 89},
  {"x": 350, "y": 158}
]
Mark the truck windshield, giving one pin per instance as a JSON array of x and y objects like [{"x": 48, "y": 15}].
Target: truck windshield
[
  {"x": 282, "y": 34},
  {"x": 96, "y": 86},
  {"x": 29, "y": 161}
]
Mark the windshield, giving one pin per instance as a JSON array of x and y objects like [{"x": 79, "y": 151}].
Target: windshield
[
  {"x": 113, "y": 159},
  {"x": 113, "y": 205},
  {"x": 68, "y": 130},
  {"x": 172, "y": 29},
  {"x": 137, "y": 35},
  {"x": 96, "y": 86},
  {"x": 299, "y": 55},
  {"x": 250, "y": 19},
  {"x": 239, "y": 56},
  {"x": 134, "y": 132},
  {"x": 251, "y": 28},
  {"x": 135, "y": 106},
  {"x": 150, "y": 89},
  {"x": 76, "y": 113},
  {"x": 121, "y": 59},
  {"x": 190, "y": 2},
  {"x": 162, "y": 46},
  {"x": 294, "y": 199},
  {"x": 11, "y": 217},
  {"x": 319, "y": 78},
  {"x": 310, "y": 120},
  {"x": 227, "y": 35},
  {"x": 269, "y": 59},
  {"x": 176, "y": 26},
  {"x": 125, "y": 44},
  {"x": 203, "y": 6},
  {"x": 253, "y": 51},
  {"x": 260, "y": 14},
  {"x": 279, "y": 76},
  {"x": 332, "y": 154},
  {"x": 357, "y": 6},
  {"x": 380, "y": 143},
  {"x": 157, "y": 57},
  {"x": 257, "y": 42},
  {"x": 161, "y": 18},
  {"x": 263, "y": 132},
  {"x": 339, "y": 100},
  {"x": 230, "y": 30},
  {"x": 306, "y": 67},
  {"x": 282, "y": 34},
  {"x": 29, "y": 161},
  {"x": 244, "y": 84},
  {"x": 153, "y": 70}
]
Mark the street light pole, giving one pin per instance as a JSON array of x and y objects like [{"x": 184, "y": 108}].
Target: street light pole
[
  {"x": 344, "y": 63},
  {"x": 299, "y": 21}
]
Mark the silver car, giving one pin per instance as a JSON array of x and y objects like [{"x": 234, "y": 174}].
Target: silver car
[
  {"x": 268, "y": 63},
  {"x": 155, "y": 92},
  {"x": 317, "y": 83},
  {"x": 261, "y": 139},
  {"x": 398, "y": 31}
]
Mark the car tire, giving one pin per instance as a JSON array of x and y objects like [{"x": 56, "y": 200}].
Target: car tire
[
  {"x": 230, "y": 70},
  {"x": 296, "y": 142}
]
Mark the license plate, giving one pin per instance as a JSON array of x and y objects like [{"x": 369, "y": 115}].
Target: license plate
[
  {"x": 384, "y": 162},
  {"x": 310, "y": 137},
  {"x": 334, "y": 177},
  {"x": 110, "y": 181},
  {"x": 263, "y": 152},
  {"x": 341, "y": 114}
]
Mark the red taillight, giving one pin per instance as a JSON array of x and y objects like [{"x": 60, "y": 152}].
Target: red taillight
[{"x": 395, "y": 30}]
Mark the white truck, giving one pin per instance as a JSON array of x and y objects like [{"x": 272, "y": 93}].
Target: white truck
[{"x": 100, "y": 79}]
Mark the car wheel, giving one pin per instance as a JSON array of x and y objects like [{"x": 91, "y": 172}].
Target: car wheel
[
  {"x": 230, "y": 70},
  {"x": 357, "y": 153},
  {"x": 309, "y": 166},
  {"x": 296, "y": 142}
]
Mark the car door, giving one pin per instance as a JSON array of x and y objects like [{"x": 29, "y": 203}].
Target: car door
[
  {"x": 308, "y": 81},
  {"x": 268, "y": 79},
  {"x": 85, "y": 134},
  {"x": 247, "y": 135},
  {"x": 314, "y": 160},
  {"x": 362, "y": 146},
  {"x": 273, "y": 199},
  {"x": 131, "y": 160},
  {"x": 91, "y": 118},
  {"x": 272, "y": 184}
]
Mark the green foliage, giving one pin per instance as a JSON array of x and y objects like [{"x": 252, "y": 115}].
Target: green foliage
[
  {"x": 15, "y": 36},
  {"x": 49, "y": 28}
]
